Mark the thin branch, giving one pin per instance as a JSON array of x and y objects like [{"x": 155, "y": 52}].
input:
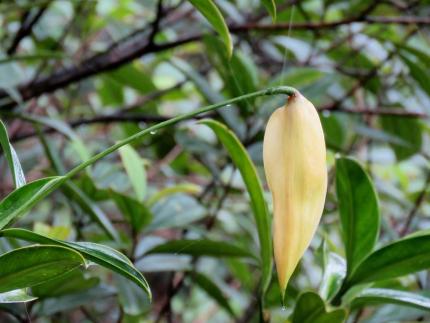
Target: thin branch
[{"x": 27, "y": 24}]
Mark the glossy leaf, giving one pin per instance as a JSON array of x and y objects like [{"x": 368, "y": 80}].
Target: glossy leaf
[
  {"x": 205, "y": 283},
  {"x": 334, "y": 273},
  {"x": 211, "y": 12},
  {"x": 33, "y": 265},
  {"x": 358, "y": 209},
  {"x": 97, "y": 253},
  {"x": 11, "y": 157},
  {"x": 253, "y": 184},
  {"x": 16, "y": 296},
  {"x": 377, "y": 296},
  {"x": 20, "y": 201},
  {"x": 310, "y": 308},
  {"x": 402, "y": 257},
  {"x": 135, "y": 169},
  {"x": 200, "y": 248}
]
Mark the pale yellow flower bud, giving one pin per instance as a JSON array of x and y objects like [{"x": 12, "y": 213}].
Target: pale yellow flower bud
[{"x": 295, "y": 165}]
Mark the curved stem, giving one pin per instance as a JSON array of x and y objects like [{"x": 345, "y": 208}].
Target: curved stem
[{"x": 286, "y": 90}]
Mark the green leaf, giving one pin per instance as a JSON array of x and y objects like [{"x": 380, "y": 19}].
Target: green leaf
[
  {"x": 200, "y": 247},
  {"x": 249, "y": 174},
  {"x": 92, "y": 209},
  {"x": 271, "y": 7},
  {"x": 16, "y": 296},
  {"x": 402, "y": 257},
  {"x": 406, "y": 129},
  {"x": 70, "y": 283},
  {"x": 188, "y": 188},
  {"x": 134, "y": 211},
  {"x": 20, "y": 201},
  {"x": 310, "y": 308},
  {"x": 334, "y": 273},
  {"x": 135, "y": 169},
  {"x": 211, "y": 12},
  {"x": 418, "y": 73},
  {"x": 205, "y": 283},
  {"x": 11, "y": 157},
  {"x": 377, "y": 296},
  {"x": 97, "y": 253},
  {"x": 33, "y": 265},
  {"x": 359, "y": 211},
  {"x": 133, "y": 299}
]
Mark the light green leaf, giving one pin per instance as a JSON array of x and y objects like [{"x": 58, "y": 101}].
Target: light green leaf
[
  {"x": 211, "y": 12},
  {"x": 20, "y": 201},
  {"x": 33, "y": 265},
  {"x": 271, "y": 7},
  {"x": 253, "y": 184},
  {"x": 11, "y": 157},
  {"x": 310, "y": 308},
  {"x": 377, "y": 296},
  {"x": 188, "y": 188},
  {"x": 359, "y": 211},
  {"x": 200, "y": 247},
  {"x": 334, "y": 273},
  {"x": 135, "y": 169},
  {"x": 16, "y": 296},
  {"x": 97, "y": 253}
]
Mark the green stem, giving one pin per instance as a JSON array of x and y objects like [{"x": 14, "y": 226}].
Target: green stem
[{"x": 270, "y": 91}]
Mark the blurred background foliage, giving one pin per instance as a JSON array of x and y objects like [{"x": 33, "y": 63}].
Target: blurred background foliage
[{"x": 77, "y": 76}]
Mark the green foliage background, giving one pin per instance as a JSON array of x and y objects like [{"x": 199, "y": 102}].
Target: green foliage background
[{"x": 175, "y": 227}]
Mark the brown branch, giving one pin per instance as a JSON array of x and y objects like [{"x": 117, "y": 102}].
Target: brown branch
[
  {"x": 130, "y": 50},
  {"x": 27, "y": 25}
]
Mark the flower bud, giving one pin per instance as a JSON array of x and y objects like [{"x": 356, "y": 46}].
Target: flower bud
[{"x": 295, "y": 165}]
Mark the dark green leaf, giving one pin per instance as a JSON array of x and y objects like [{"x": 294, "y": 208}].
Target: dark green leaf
[
  {"x": 97, "y": 253},
  {"x": 271, "y": 7},
  {"x": 310, "y": 308},
  {"x": 201, "y": 248},
  {"x": 20, "y": 201},
  {"x": 249, "y": 174},
  {"x": 205, "y": 283},
  {"x": 402, "y": 257},
  {"x": 33, "y": 265},
  {"x": 358, "y": 209}
]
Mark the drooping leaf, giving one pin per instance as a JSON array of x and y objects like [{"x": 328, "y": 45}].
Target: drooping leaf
[
  {"x": 20, "y": 201},
  {"x": 205, "y": 283},
  {"x": 11, "y": 157},
  {"x": 200, "y": 247},
  {"x": 33, "y": 265},
  {"x": 310, "y": 308},
  {"x": 211, "y": 12},
  {"x": 253, "y": 184},
  {"x": 97, "y": 253},
  {"x": 358, "y": 209}
]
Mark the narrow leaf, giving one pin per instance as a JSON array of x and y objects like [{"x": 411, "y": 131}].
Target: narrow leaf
[
  {"x": 211, "y": 12},
  {"x": 358, "y": 208},
  {"x": 11, "y": 157},
  {"x": 201, "y": 248},
  {"x": 20, "y": 201},
  {"x": 270, "y": 7},
  {"x": 205, "y": 283},
  {"x": 33, "y": 265},
  {"x": 135, "y": 169},
  {"x": 97, "y": 253},
  {"x": 249, "y": 174}
]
